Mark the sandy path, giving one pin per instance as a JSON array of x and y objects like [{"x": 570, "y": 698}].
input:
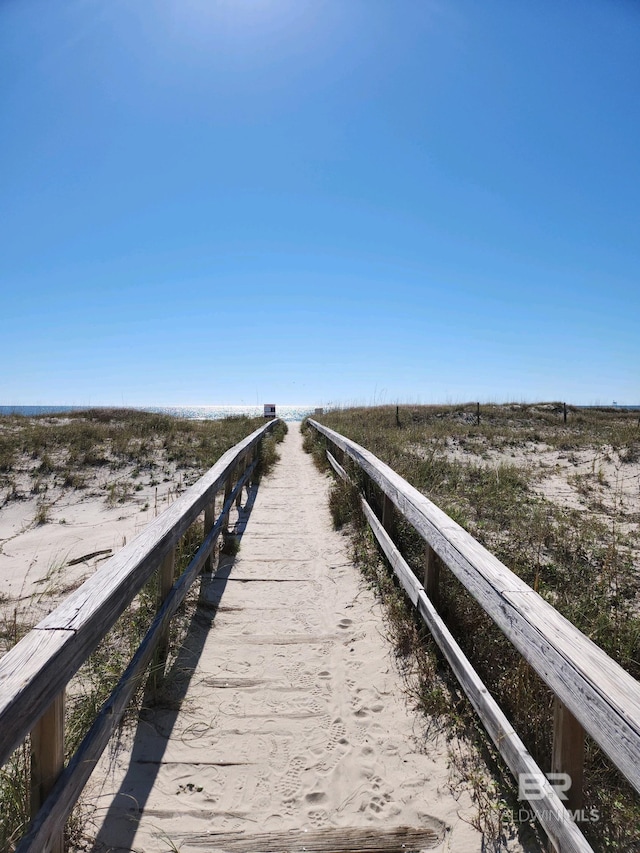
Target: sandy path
[{"x": 293, "y": 714}]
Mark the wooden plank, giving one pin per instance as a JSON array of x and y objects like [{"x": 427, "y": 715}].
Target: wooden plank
[
  {"x": 549, "y": 809},
  {"x": 165, "y": 577},
  {"x": 597, "y": 691},
  {"x": 26, "y": 670},
  {"x": 409, "y": 581},
  {"x": 228, "y": 488},
  {"x": 52, "y": 816},
  {"x": 585, "y": 654},
  {"x": 242, "y": 465},
  {"x": 209, "y": 517},
  {"x": 165, "y": 582},
  {"x": 37, "y": 668},
  {"x": 256, "y": 459},
  {"x": 432, "y": 575},
  {"x": 387, "y": 514},
  {"x": 568, "y": 752},
  {"x": 337, "y": 467},
  {"x": 47, "y": 761},
  {"x": 370, "y": 839}
]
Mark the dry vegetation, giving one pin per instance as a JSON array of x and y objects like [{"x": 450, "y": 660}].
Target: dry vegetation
[
  {"x": 557, "y": 503},
  {"x": 65, "y": 479},
  {"x": 107, "y": 451},
  {"x": 115, "y": 463}
]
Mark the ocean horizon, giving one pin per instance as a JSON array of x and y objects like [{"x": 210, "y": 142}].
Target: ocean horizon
[{"x": 286, "y": 412}]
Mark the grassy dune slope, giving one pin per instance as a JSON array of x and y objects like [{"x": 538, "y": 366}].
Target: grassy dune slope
[{"x": 557, "y": 503}]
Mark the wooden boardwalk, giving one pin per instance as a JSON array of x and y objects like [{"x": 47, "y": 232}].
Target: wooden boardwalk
[
  {"x": 282, "y": 723},
  {"x": 284, "y": 710}
]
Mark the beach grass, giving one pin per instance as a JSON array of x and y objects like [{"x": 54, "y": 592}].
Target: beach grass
[
  {"x": 559, "y": 504},
  {"x": 107, "y": 451}
]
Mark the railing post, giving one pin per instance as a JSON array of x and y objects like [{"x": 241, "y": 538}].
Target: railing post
[
  {"x": 228, "y": 487},
  {"x": 431, "y": 581},
  {"x": 209, "y": 520},
  {"x": 256, "y": 459},
  {"x": 387, "y": 514},
  {"x": 165, "y": 583},
  {"x": 242, "y": 467},
  {"x": 47, "y": 761},
  {"x": 568, "y": 752}
]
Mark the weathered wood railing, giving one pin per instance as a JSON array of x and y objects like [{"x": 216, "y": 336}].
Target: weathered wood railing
[
  {"x": 593, "y": 693},
  {"x": 35, "y": 672}
]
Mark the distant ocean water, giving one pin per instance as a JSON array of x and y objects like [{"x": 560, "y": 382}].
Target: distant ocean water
[
  {"x": 214, "y": 413},
  {"x": 287, "y": 413}
]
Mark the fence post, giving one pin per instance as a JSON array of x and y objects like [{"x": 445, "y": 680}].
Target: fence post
[
  {"x": 256, "y": 459},
  {"x": 478, "y": 414},
  {"x": 165, "y": 583},
  {"x": 387, "y": 514},
  {"x": 568, "y": 752},
  {"x": 228, "y": 486},
  {"x": 242, "y": 467},
  {"x": 209, "y": 519},
  {"x": 47, "y": 760},
  {"x": 431, "y": 575}
]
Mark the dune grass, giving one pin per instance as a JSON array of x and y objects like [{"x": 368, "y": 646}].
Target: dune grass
[
  {"x": 64, "y": 452},
  {"x": 583, "y": 558}
]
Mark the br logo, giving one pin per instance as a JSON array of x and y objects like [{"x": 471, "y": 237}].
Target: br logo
[{"x": 535, "y": 786}]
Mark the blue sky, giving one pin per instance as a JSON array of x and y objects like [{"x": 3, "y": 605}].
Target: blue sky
[{"x": 319, "y": 201}]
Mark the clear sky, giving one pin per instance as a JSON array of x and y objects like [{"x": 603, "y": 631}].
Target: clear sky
[{"x": 319, "y": 201}]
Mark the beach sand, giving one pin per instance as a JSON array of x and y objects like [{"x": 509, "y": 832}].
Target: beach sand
[{"x": 42, "y": 563}]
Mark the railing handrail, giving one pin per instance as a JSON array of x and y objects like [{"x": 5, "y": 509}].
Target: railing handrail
[
  {"x": 40, "y": 665},
  {"x": 601, "y": 695}
]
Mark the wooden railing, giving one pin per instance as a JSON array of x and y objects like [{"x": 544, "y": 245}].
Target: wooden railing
[
  {"x": 593, "y": 693},
  {"x": 35, "y": 672}
]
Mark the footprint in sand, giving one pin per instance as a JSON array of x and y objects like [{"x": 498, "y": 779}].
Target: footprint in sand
[
  {"x": 300, "y": 676},
  {"x": 315, "y": 797},
  {"x": 317, "y": 817},
  {"x": 378, "y": 804},
  {"x": 290, "y": 784},
  {"x": 336, "y": 736},
  {"x": 377, "y": 797}
]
